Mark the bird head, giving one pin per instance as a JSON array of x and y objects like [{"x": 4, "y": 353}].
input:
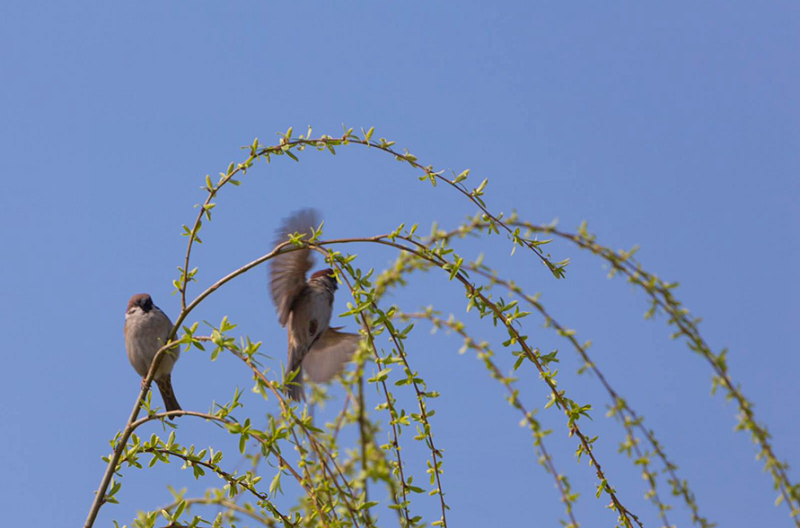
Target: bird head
[
  {"x": 140, "y": 301},
  {"x": 326, "y": 274}
]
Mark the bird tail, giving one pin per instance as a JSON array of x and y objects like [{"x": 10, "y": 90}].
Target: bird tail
[
  {"x": 168, "y": 395},
  {"x": 295, "y": 387}
]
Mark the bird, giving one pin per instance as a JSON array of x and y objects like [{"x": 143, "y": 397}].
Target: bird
[
  {"x": 146, "y": 330},
  {"x": 317, "y": 351}
]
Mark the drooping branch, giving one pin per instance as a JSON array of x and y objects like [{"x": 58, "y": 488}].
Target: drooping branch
[
  {"x": 485, "y": 354},
  {"x": 424, "y": 414},
  {"x": 488, "y": 307},
  {"x": 228, "y": 504},
  {"x": 662, "y": 298},
  {"x": 407, "y": 263}
]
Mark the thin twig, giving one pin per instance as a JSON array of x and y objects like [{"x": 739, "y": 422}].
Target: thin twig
[
  {"x": 485, "y": 354},
  {"x": 209, "y": 501}
]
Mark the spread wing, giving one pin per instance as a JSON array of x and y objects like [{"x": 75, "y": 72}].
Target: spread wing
[
  {"x": 288, "y": 271},
  {"x": 329, "y": 354}
]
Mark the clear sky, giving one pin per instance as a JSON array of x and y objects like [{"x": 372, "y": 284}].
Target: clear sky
[{"x": 675, "y": 126}]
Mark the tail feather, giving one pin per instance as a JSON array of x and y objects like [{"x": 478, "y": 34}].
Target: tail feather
[{"x": 168, "y": 395}]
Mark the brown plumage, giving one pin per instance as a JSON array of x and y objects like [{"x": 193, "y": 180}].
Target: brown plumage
[
  {"x": 304, "y": 307},
  {"x": 146, "y": 330}
]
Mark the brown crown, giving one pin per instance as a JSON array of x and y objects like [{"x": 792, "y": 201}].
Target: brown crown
[
  {"x": 142, "y": 300},
  {"x": 322, "y": 273}
]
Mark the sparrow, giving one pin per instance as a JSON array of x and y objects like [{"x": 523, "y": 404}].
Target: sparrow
[
  {"x": 146, "y": 331},
  {"x": 316, "y": 350}
]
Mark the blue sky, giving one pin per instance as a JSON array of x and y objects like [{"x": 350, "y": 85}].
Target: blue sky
[{"x": 673, "y": 127}]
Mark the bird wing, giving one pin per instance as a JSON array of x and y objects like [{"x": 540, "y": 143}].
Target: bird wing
[
  {"x": 288, "y": 271},
  {"x": 329, "y": 354}
]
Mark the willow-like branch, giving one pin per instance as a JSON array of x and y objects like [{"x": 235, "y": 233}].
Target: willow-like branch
[
  {"x": 230, "y": 479},
  {"x": 485, "y": 354},
  {"x": 285, "y": 147},
  {"x": 435, "y": 454},
  {"x": 628, "y": 416},
  {"x": 662, "y": 298},
  {"x": 230, "y": 505},
  {"x": 282, "y": 461},
  {"x": 422, "y": 252}
]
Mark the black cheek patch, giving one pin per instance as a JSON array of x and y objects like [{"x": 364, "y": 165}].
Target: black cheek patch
[{"x": 312, "y": 328}]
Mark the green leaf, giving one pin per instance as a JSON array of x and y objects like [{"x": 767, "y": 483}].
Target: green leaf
[
  {"x": 179, "y": 510},
  {"x": 275, "y": 485},
  {"x": 380, "y": 376}
]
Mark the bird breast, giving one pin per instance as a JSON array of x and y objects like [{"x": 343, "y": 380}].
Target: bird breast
[
  {"x": 145, "y": 333},
  {"x": 311, "y": 315}
]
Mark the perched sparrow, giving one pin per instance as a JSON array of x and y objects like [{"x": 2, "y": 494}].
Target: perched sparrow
[
  {"x": 316, "y": 350},
  {"x": 146, "y": 330}
]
